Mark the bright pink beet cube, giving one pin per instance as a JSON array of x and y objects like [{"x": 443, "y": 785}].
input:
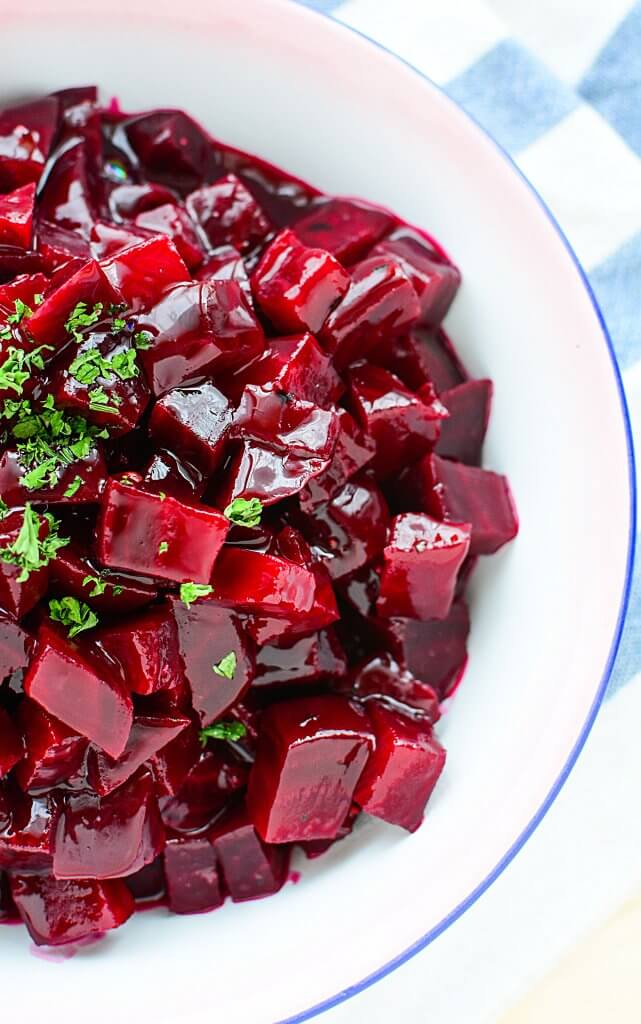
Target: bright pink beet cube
[
  {"x": 57, "y": 912},
  {"x": 380, "y": 303},
  {"x": 25, "y": 287},
  {"x": 11, "y": 747},
  {"x": 191, "y": 872},
  {"x": 146, "y": 648},
  {"x": 257, "y": 583},
  {"x": 434, "y": 652},
  {"x": 16, "y": 217},
  {"x": 18, "y": 598},
  {"x": 80, "y": 688},
  {"x": 225, "y": 264},
  {"x": 403, "y": 769},
  {"x": 435, "y": 279},
  {"x": 296, "y": 287},
  {"x": 54, "y": 752},
  {"x": 144, "y": 272},
  {"x": 343, "y": 227},
  {"x": 310, "y": 756},
  {"x": 228, "y": 214},
  {"x": 251, "y": 868},
  {"x": 194, "y": 422},
  {"x": 173, "y": 221},
  {"x": 421, "y": 564},
  {"x": 111, "y": 836},
  {"x": 295, "y": 365},
  {"x": 157, "y": 535},
  {"x": 108, "y": 239},
  {"x": 463, "y": 432},
  {"x": 149, "y": 734}
]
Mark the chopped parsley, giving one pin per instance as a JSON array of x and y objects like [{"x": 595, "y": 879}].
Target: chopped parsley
[
  {"x": 72, "y": 613},
  {"x": 99, "y": 401},
  {"x": 245, "y": 511},
  {"x": 99, "y": 586},
  {"x": 91, "y": 364},
  {"x": 226, "y": 667},
  {"x": 223, "y": 731},
  {"x": 143, "y": 340},
  {"x": 80, "y": 317},
  {"x": 29, "y": 551},
  {"x": 73, "y": 487},
  {"x": 190, "y": 592},
  {"x": 4, "y": 508},
  {"x": 18, "y": 366},
  {"x": 162, "y": 547},
  {"x": 162, "y": 495}
]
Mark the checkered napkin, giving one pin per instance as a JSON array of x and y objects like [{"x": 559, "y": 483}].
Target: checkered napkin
[{"x": 558, "y": 84}]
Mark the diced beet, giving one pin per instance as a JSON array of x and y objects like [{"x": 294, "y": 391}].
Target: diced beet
[
  {"x": 194, "y": 422},
  {"x": 91, "y": 470},
  {"x": 191, "y": 872},
  {"x": 421, "y": 564},
  {"x": 403, "y": 769},
  {"x": 215, "y": 778},
  {"x": 149, "y": 734},
  {"x": 360, "y": 590},
  {"x": 257, "y": 471},
  {"x": 225, "y": 264},
  {"x": 305, "y": 660},
  {"x": 8, "y": 911},
  {"x": 11, "y": 747},
  {"x": 127, "y": 201},
  {"x": 53, "y": 751},
  {"x": 434, "y": 278},
  {"x": 297, "y": 366},
  {"x": 111, "y": 836},
  {"x": 148, "y": 884},
  {"x": 403, "y": 425},
  {"x": 382, "y": 676},
  {"x": 421, "y": 357},
  {"x": 27, "y": 831},
  {"x": 67, "y": 195},
  {"x": 434, "y": 652},
  {"x": 57, "y": 912},
  {"x": 73, "y": 684},
  {"x": 267, "y": 629},
  {"x": 317, "y": 847},
  {"x": 251, "y": 868},
  {"x": 74, "y": 574},
  {"x": 18, "y": 598},
  {"x": 26, "y": 134},
  {"x": 171, "y": 765},
  {"x": 380, "y": 303},
  {"x": 173, "y": 221},
  {"x": 296, "y": 287},
  {"x": 16, "y": 216},
  {"x": 286, "y": 424},
  {"x": 157, "y": 535},
  {"x": 463, "y": 432},
  {"x": 206, "y": 634},
  {"x": 200, "y": 329},
  {"x": 343, "y": 227},
  {"x": 354, "y": 450},
  {"x": 172, "y": 149},
  {"x": 146, "y": 648},
  {"x": 167, "y": 474},
  {"x": 262, "y": 584},
  {"x": 62, "y": 252},
  {"x": 25, "y": 288},
  {"x": 15, "y": 646},
  {"x": 311, "y": 753},
  {"x": 452, "y": 492},
  {"x": 142, "y": 273},
  {"x": 88, "y": 284},
  {"x": 107, "y": 239},
  {"x": 228, "y": 214}
]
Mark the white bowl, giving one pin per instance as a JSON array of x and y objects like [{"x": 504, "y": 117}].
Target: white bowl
[{"x": 328, "y": 105}]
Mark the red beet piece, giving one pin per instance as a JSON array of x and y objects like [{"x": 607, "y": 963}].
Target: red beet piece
[
  {"x": 149, "y": 734},
  {"x": 382, "y": 676},
  {"x": 259, "y": 583},
  {"x": 251, "y": 868},
  {"x": 107, "y": 239},
  {"x": 15, "y": 646},
  {"x": 11, "y": 748},
  {"x": 434, "y": 652},
  {"x": 27, "y": 830},
  {"x": 354, "y": 450},
  {"x": 172, "y": 149},
  {"x": 421, "y": 564},
  {"x": 297, "y": 366},
  {"x": 16, "y": 217},
  {"x": 286, "y": 424},
  {"x": 167, "y": 474},
  {"x": 452, "y": 492},
  {"x": 435, "y": 279},
  {"x": 403, "y": 425},
  {"x": 311, "y": 753},
  {"x": 26, "y": 134},
  {"x": 228, "y": 214},
  {"x": 74, "y": 684},
  {"x": 343, "y": 227},
  {"x": 304, "y": 660},
  {"x": 200, "y": 329},
  {"x": 191, "y": 873},
  {"x": 379, "y": 304},
  {"x": 111, "y": 836},
  {"x": 68, "y": 196},
  {"x": 127, "y": 201},
  {"x": 225, "y": 264},
  {"x": 195, "y": 422},
  {"x": 146, "y": 648},
  {"x": 403, "y": 770},
  {"x": 421, "y": 357},
  {"x": 74, "y": 574},
  {"x": 206, "y": 634},
  {"x": 25, "y": 287},
  {"x": 173, "y": 221},
  {"x": 57, "y": 912},
  {"x": 62, "y": 252},
  {"x": 215, "y": 778},
  {"x": 463, "y": 432},
  {"x": 296, "y": 287},
  {"x": 18, "y": 598},
  {"x": 158, "y": 536},
  {"x": 8, "y": 911},
  {"x": 88, "y": 284},
  {"x": 92, "y": 471},
  {"x": 257, "y": 471},
  {"x": 148, "y": 884},
  {"x": 53, "y": 751},
  {"x": 171, "y": 765},
  {"x": 142, "y": 273}
]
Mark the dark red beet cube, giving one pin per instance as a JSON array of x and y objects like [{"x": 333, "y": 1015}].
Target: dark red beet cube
[
  {"x": 354, "y": 450},
  {"x": 11, "y": 747},
  {"x": 422, "y": 357},
  {"x": 27, "y": 829},
  {"x": 298, "y": 366},
  {"x": 26, "y": 134},
  {"x": 463, "y": 432},
  {"x": 421, "y": 564},
  {"x": 194, "y": 422},
  {"x": 296, "y": 287},
  {"x": 53, "y": 751},
  {"x": 251, "y": 868},
  {"x": 25, "y": 288},
  {"x": 57, "y": 912},
  {"x": 228, "y": 214},
  {"x": 16, "y": 217},
  {"x": 111, "y": 836},
  {"x": 434, "y": 278},
  {"x": 343, "y": 227},
  {"x": 310, "y": 756},
  {"x": 191, "y": 873},
  {"x": 73, "y": 573},
  {"x": 286, "y": 424},
  {"x": 403, "y": 769},
  {"x": 148, "y": 884},
  {"x": 91, "y": 470},
  {"x": 382, "y": 676},
  {"x": 127, "y": 201},
  {"x": 172, "y": 149},
  {"x": 157, "y": 535},
  {"x": 434, "y": 652},
  {"x": 88, "y": 284},
  {"x": 171, "y": 765},
  {"x": 165, "y": 473},
  {"x": 18, "y": 598},
  {"x": 455, "y": 493},
  {"x": 215, "y": 779},
  {"x": 15, "y": 646},
  {"x": 225, "y": 264},
  {"x": 403, "y": 425},
  {"x": 84, "y": 691},
  {"x": 380, "y": 303},
  {"x": 107, "y": 239},
  {"x": 173, "y": 221},
  {"x": 257, "y": 471},
  {"x": 146, "y": 648},
  {"x": 303, "y": 660},
  {"x": 8, "y": 911},
  {"x": 66, "y": 196},
  {"x": 149, "y": 734},
  {"x": 141, "y": 274},
  {"x": 263, "y": 584}
]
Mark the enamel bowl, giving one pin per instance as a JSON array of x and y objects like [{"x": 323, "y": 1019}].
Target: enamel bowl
[{"x": 328, "y": 105}]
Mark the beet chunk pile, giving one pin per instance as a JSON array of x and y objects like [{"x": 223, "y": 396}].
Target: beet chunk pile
[{"x": 241, "y": 497}]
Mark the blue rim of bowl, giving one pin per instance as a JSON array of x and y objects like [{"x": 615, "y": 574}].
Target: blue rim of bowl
[{"x": 420, "y": 944}]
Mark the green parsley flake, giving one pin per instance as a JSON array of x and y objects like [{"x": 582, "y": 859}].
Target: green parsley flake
[
  {"x": 226, "y": 667},
  {"x": 48, "y": 440},
  {"x": 162, "y": 547},
  {"x": 73, "y": 487},
  {"x": 162, "y": 495},
  {"x": 4, "y": 508},
  {"x": 143, "y": 340},
  {"x": 190, "y": 592},
  {"x": 245, "y": 511},
  {"x": 223, "y": 731},
  {"x": 72, "y": 613},
  {"x": 30, "y": 551},
  {"x": 99, "y": 401},
  {"x": 99, "y": 586},
  {"x": 81, "y": 317},
  {"x": 18, "y": 366},
  {"x": 38, "y": 299}
]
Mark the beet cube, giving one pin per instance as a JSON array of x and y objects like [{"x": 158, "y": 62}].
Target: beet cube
[
  {"x": 171, "y": 765},
  {"x": 66, "y": 195},
  {"x": 311, "y": 753},
  {"x": 11, "y": 748},
  {"x": 149, "y": 734},
  {"x": 111, "y": 836},
  {"x": 452, "y": 492},
  {"x": 463, "y": 432},
  {"x": 88, "y": 284},
  {"x": 403, "y": 769},
  {"x": 298, "y": 366},
  {"x": 194, "y": 422},
  {"x": 27, "y": 830},
  {"x": 257, "y": 471},
  {"x": 8, "y": 911},
  {"x": 127, "y": 201},
  {"x": 148, "y": 884},
  {"x": 108, "y": 239},
  {"x": 53, "y": 751},
  {"x": 228, "y": 214},
  {"x": 74, "y": 684},
  {"x": 18, "y": 598},
  {"x": 421, "y": 564},
  {"x": 15, "y": 646},
  {"x": 302, "y": 660},
  {"x": 225, "y": 264},
  {"x": 433, "y": 652},
  {"x": 141, "y": 274},
  {"x": 26, "y": 134},
  {"x": 381, "y": 676},
  {"x": 173, "y": 221},
  {"x": 157, "y": 535},
  {"x": 257, "y": 583},
  {"x": 117, "y": 593},
  {"x": 91, "y": 470},
  {"x": 216, "y": 777},
  {"x": 146, "y": 648},
  {"x": 422, "y": 357},
  {"x": 354, "y": 450},
  {"x": 191, "y": 873},
  {"x": 172, "y": 149},
  {"x": 16, "y": 217},
  {"x": 434, "y": 278},
  {"x": 286, "y": 424},
  {"x": 251, "y": 868},
  {"x": 25, "y": 288},
  {"x": 345, "y": 228},
  {"x": 57, "y": 912}
]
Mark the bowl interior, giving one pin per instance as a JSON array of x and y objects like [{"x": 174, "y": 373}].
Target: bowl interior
[{"x": 332, "y": 108}]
